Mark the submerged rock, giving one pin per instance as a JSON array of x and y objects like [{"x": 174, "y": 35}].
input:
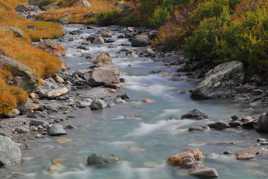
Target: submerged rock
[
  {"x": 195, "y": 114},
  {"x": 97, "y": 161},
  {"x": 220, "y": 81},
  {"x": 10, "y": 152}
]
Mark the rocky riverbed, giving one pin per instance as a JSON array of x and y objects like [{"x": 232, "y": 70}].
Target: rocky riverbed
[{"x": 121, "y": 108}]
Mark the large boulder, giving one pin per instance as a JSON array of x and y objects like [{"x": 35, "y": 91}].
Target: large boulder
[
  {"x": 107, "y": 75},
  {"x": 220, "y": 81},
  {"x": 10, "y": 153},
  {"x": 262, "y": 123}
]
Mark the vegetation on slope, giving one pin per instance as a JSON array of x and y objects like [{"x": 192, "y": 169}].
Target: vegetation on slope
[
  {"x": 16, "y": 34},
  {"x": 211, "y": 31}
]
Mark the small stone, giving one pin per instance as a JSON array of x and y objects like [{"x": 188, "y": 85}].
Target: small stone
[
  {"x": 102, "y": 161},
  {"x": 219, "y": 125},
  {"x": 195, "y": 114},
  {"x": 57, "y": 92},
  {"x": 227, "y": 153},
  {"x": 85, "y": 103},
  {"x": 98, "y": 104},
  {"x": 205, "y": 172},
  {"x": 56, "y": 130},
  {"x": 69, "y": 126}
]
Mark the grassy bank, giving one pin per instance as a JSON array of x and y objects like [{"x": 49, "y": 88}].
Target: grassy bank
[
  {"x": 210, "y": 31},
  {"x": 16, "y": 34}
]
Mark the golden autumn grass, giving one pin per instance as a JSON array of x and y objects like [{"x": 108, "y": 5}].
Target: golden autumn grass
[
  {"x": 78, "y": 14},
  {"x": 42, "y": 63}
]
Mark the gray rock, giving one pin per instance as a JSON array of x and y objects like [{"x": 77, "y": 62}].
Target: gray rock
[
  {"x": 140, "y": 40},
  {"x": 107, "y": 75},
  {"x": 102, "y": 161},
  {"x": 195, "y": 114},
  {"x": 220, "y": 125},
  {"x": 262, "y": 123},
  {"x": 220, "y": 81},
  {"x": 205, "y": 172},
  {"x": 56, "y": 130},
  {"x": 10, "y": 153},
  {"x": 98, "y": 104}
]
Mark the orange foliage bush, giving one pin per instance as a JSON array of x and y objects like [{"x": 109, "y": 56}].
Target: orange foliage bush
[
  {"x": 42, "y": 63},
  {"x": 16, "y": 34}
]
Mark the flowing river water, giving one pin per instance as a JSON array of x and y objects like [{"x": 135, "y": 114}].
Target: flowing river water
[{"x": 143, "y": 135}]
